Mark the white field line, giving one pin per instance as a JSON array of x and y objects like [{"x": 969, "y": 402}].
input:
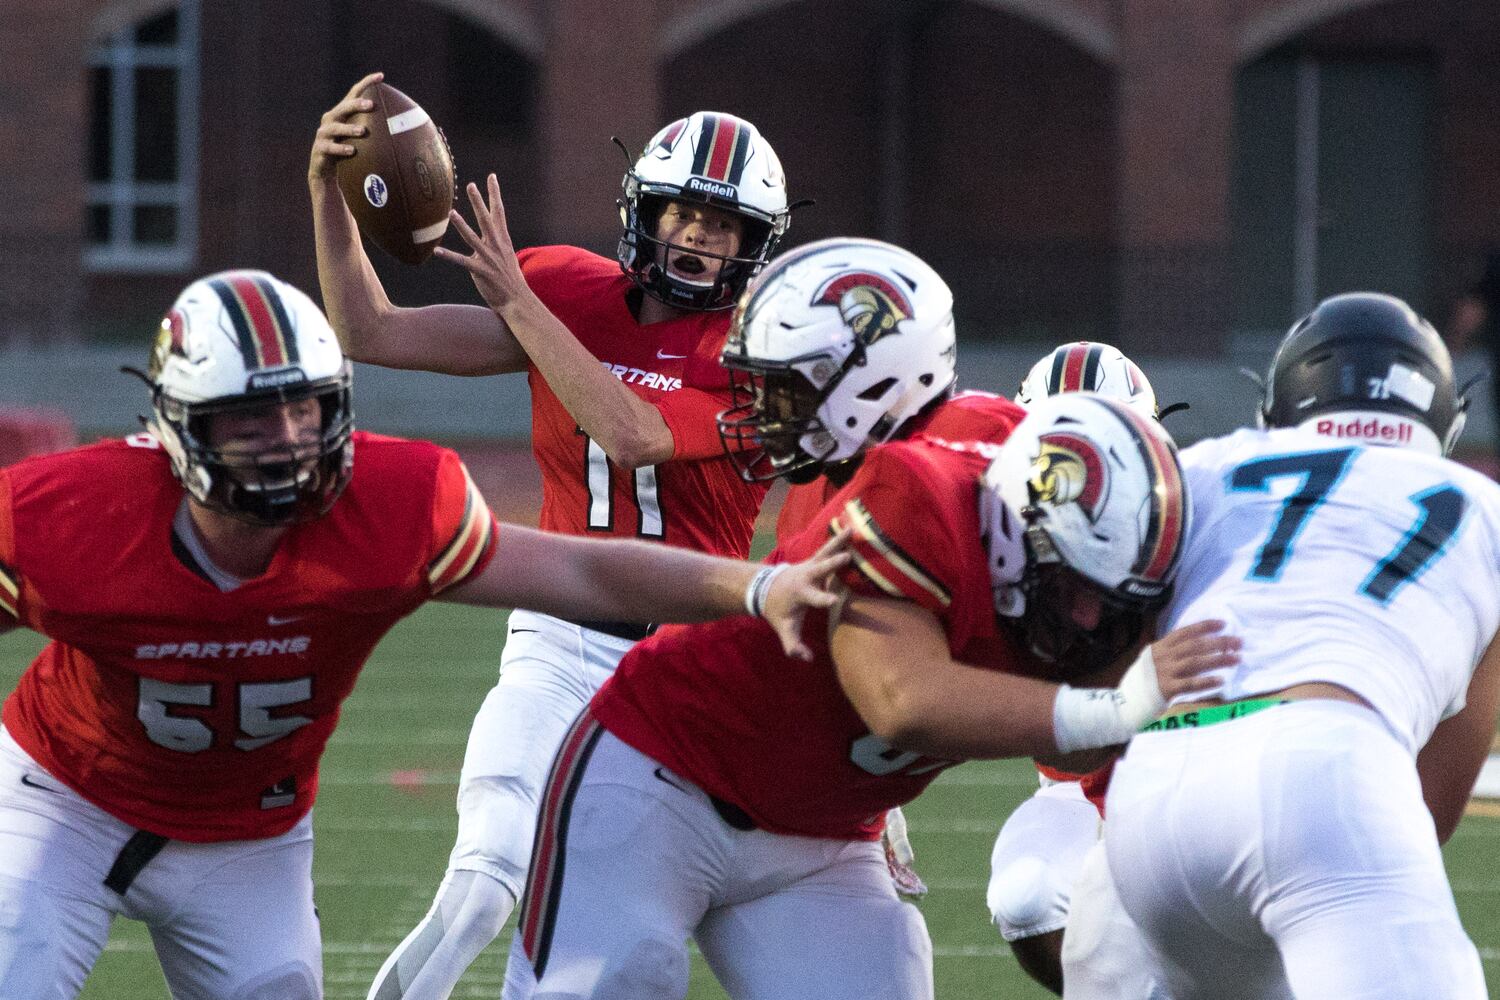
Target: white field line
[
  {"x": 426, "y": 824},
  {"x": 413, "y": 883},
  {"x": 350, "y": 948},
  {"x": 335, "y": 777}
]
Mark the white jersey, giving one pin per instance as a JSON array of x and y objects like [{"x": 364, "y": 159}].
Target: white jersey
[{"x": 1374, "y": 568}]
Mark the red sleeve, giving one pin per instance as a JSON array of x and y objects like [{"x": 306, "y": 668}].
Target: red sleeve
[
  {"x": 901, "y": 544},
  {"x": 692, "y": 415},
  {"x": 463, "y": 529},
  {"x": 10, "y": 579}
]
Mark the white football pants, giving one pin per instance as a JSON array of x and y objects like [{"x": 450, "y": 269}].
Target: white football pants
[
  {"x": 230, "y": 921},
  {"x": 633, "y": 859},
  {"x": 1287, "y": 852},
  {"x": 548, "y": 671},
  {"x": 1036, "y": 859},
  {"x": 1104, "y": 956}
]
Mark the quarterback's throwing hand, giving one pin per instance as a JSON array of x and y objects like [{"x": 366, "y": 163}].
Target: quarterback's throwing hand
[
  {"x": 493, "y": 265},
  {"x": 812, "y": 583},
  {"x": 331, "y": 144}
]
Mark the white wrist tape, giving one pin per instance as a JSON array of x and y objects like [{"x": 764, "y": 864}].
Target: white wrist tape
[
  {"x": 760, "y": 587},
  {"x": 1089, "y": 718}
]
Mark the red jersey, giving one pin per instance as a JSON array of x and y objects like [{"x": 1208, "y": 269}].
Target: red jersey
[
  {"x": 721, "y": 705},
  {"x": 968, "y": 416},
  {"x": 185, "y": 710},
  {"x": 697, "y": 499}
]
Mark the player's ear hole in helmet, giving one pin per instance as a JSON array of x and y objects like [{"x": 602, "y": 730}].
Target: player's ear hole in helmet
[
  {"x": 245, "y": 353},
  {"x": 711, "y": 159},
  {"x": 833, "y": 349},
  {"x": 1084, "y": 517},
  {"x": 1365, "y": 366}
]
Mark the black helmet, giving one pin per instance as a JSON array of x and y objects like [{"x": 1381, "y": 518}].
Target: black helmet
[{"x": 1370, "y": 368}]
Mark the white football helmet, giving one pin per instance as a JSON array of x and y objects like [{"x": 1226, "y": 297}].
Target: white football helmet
[
  {"x": 243, "y": 339},
  {"x": 840, "y": 342},
  {"x": 1086, "y": 495},
  {"x": 719, "y": 160},
  {"x": 1087, "y": 366}
]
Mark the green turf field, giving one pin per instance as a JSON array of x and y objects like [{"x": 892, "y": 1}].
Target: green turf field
[{"x": 385, "y": 822}]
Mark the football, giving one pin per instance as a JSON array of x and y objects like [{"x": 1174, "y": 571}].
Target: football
[{"x": 399, "y": 183}]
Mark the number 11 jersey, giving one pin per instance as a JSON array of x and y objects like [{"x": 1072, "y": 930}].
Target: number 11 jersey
[
  {"x": 1373, "y": 568},
  {"x": 696, "y": 499}
]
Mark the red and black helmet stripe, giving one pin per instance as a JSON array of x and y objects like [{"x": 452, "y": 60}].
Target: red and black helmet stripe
[
  {"x": 1166, "y": 520},
  {"x": 1075, "y": 368},
  {"x": 261, "y": 324},
  {"x": 674, "y": 130},
  {"x": 723, "y": 148}
]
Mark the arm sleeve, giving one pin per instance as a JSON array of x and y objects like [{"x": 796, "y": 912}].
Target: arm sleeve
[
  {"x": 902, "y": 548},
  {"x": 10, "y": 577},
  {"x": 463, "y": 529},
  {"x": 692, "y": 415}
]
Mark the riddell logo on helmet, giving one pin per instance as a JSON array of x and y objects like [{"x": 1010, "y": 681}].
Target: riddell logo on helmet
[
  {"x": 705, "y": 186},
  {"x": 276, "y": 379},
  {"x": 1366, "y": 429}
]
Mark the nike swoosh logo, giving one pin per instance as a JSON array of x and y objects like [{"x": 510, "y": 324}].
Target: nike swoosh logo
[
  {"x": 279, "y": 620},
  {"x": 26, "y": 780},
  {"x": 518, "y": 631},
  {"x": 662, "y": 777},
  {"x": 669, "y": 357}
]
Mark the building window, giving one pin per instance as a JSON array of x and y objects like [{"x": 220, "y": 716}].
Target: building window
[{"x": 143, "y": 145}]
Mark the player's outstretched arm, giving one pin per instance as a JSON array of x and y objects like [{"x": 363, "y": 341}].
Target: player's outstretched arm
[
  {"x": 621, "y": 580},
  {"x": 456, "y": 339},
  {"x": 893, "y": 661},
  {"x": 1450, "y": 762},
  {"x": 629, "y": 429}
]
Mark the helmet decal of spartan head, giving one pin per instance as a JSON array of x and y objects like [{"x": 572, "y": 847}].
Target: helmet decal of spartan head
[
  {"x": 1069, "y": 469},
  {"x": 869, "y": 304},
  {"x": 831, "y": 350}
]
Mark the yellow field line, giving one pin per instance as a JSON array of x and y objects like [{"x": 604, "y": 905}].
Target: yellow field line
[{"x": 1483, "y": 807}]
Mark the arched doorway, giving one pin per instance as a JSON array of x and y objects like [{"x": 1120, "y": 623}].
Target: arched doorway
[{"x": 975, "y": 133}]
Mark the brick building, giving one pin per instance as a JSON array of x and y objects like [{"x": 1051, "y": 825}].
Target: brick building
[{"x": 1157, "y": 172}]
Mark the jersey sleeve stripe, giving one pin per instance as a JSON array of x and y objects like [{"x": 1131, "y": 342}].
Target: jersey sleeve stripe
[
  {"x": 470, "y": 541},
  {"x": 884, "y": 563},
  {"x": 10, "y": 592}
]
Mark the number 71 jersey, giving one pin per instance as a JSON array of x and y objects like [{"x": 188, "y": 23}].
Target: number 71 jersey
[{"x": 1374, "y": 568}]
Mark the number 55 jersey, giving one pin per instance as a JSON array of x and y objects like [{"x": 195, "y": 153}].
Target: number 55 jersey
[
  {"x": 1373, "y": 568},
  {"x": 189, "y": 711}
]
